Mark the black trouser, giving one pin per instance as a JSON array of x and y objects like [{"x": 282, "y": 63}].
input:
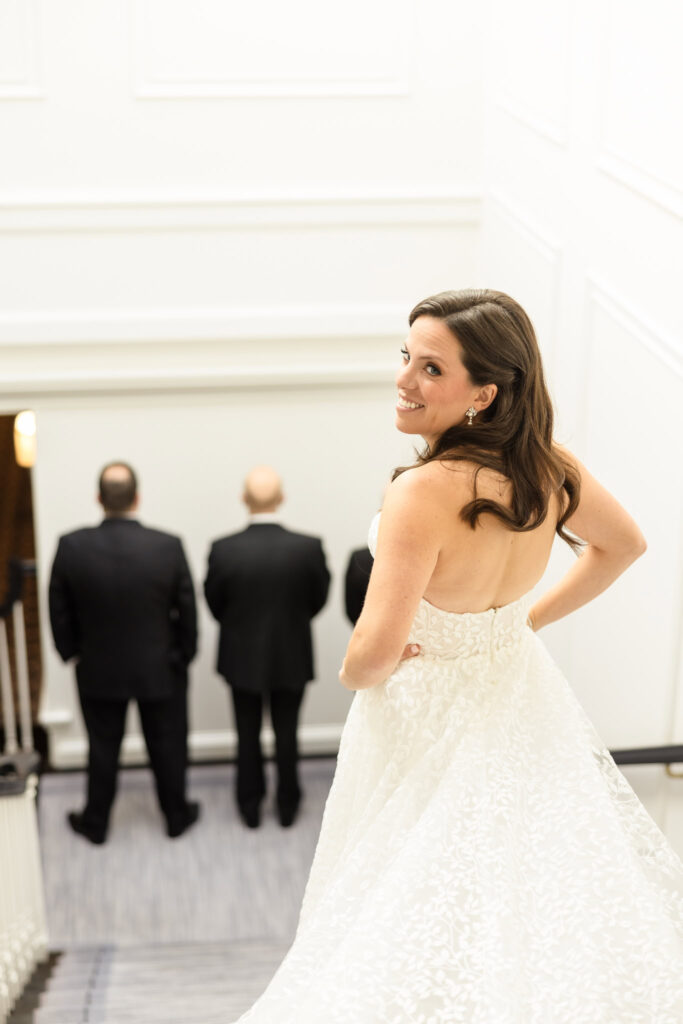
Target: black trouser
[
  {"x": 284, "y": 715},
  {"x": 164, "y": 726}
]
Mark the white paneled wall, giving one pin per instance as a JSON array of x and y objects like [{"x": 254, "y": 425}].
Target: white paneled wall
[
  {"x": 20, "y": 50},
  {"x": 213, "y": 223},
  {"x": 621, "y": 444},
  {"x": 525, "y": 261},
  {"x": 175, "y": 96},
  {"x": 582, "y": 221},
  {"x": 534, "y": 65},
  {"x": 643, "y": 88},
  {"x": 359, "y": 49}
]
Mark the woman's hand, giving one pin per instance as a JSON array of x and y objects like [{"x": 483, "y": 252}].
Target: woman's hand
[{"x": 409, "y": 651}]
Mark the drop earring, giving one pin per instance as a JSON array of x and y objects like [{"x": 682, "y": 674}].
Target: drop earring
[{"x": 471, "y": 413}]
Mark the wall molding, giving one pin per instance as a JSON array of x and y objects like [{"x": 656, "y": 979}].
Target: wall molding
[
  {"x": 189, "y": 350},
  {"x": 649, "y": 335},
  {"x": 28, "y": 386},
  {"x": 118, "y": 211},
  {"x": 611, "y": 160},
  {"x": 357, "y": 87},
  {"x": 29, "y": 86},
  {"x": 543, "y": 127},
  {"x": 193, "y": 324},
  {"x": 638, "y": 179},
  {"x": 546, "y": 245},
  {"x": 21, "y": 90},
  {"x": 211, "y": 745},
  {"x": 521, "y": 70},
  {"x": 258, "y": 82}
]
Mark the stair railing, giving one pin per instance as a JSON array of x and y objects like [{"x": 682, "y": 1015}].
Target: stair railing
[{"x": 23, "y": 929}]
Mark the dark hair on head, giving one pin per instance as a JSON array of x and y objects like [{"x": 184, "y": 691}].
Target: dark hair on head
[
  {"x": 118, "y": 492},
  {"x": 514, "y": 434}
]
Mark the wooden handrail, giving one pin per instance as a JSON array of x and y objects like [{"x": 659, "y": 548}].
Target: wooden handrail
[{"x": 671, "y": 754}]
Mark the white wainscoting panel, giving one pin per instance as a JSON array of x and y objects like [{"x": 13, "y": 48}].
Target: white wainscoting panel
[
  {"x": 641, "y": 181},
  {"x": 205, "y": 95},
  {"x": 20, "y": 50},
  {"x": 524, "y": 261},
  {"x": 654, "y": 338},
  {"x": 202, "y": 48},
  {"x": 534, "y": 65},
  {"x": 197, "y": 350},
  {"x": 335, "y": 252},
  {"x": 642, "y": 146},
  {"x": 598, "y": 85},
  {"x": 625, "y": 666}
]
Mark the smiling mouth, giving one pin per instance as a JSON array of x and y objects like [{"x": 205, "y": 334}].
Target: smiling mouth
[{"x": 403, "y": 403}]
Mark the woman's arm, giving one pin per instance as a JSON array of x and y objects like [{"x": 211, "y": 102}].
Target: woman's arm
[
  {"x": 407, "y": 551},
  {"x": 613, "y": 542}
]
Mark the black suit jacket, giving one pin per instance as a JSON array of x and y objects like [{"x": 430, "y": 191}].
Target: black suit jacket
[
  {"x": 356, "y": 582},
  {"x": 122, "y": 602},
  {"x": 264, "y": 585}
]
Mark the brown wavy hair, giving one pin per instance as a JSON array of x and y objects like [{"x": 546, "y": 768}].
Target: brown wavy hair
[{"x": 514, "y": 434}]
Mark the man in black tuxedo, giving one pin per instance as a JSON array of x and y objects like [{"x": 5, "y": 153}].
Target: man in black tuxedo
[
  {"x": 122, "y": 605},
  {"x": 264, "y": 585}
]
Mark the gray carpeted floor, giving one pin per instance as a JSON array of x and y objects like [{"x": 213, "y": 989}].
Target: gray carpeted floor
[{"x": 219, "y": 882}]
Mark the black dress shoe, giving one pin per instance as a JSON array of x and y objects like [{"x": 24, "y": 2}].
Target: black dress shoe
[
  {"x": 76, "y": 822},
  {"x": 251, "y": 815},
  {"x": 287, "y": 814},
  {"x": 191, "y": 816}
]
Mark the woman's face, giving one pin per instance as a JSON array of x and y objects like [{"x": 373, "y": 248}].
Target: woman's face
[{"x": 434, "y": 388}]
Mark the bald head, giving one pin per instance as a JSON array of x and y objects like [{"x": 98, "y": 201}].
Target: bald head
[
  {"x": 262, "y": 490},
  {"x": 118, "y": 488}
]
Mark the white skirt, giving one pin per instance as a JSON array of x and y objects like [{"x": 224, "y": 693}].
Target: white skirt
[{"x": 482, "y": 860}]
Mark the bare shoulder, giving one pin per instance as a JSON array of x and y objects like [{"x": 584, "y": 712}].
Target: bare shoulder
[
  {"x": 422, "y": 483},
  {"x": 463, "y": 481},
  {"x": 443, "y": 484}
]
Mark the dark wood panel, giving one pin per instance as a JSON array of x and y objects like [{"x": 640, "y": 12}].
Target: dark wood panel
[{"x": 17, "y": 540}]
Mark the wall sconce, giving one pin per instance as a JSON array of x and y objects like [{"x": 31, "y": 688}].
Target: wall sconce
[{"x": 25, "y": 438}]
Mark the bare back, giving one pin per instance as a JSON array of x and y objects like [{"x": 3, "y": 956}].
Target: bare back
[
  {"x": 491, "y": 565},
  {"x": 425, "y": 551}
]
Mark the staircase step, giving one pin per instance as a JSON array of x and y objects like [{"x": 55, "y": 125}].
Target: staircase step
[{"x": 201, "y": 983}]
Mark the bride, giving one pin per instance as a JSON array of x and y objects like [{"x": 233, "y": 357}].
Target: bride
[{"x": 481, "y": 858}]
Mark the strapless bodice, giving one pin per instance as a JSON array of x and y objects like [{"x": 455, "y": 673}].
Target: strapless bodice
[{"x": 445, "y": 634}]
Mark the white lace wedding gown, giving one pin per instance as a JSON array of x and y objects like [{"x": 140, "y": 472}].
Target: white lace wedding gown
[{"x": 481, "y": 860}]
